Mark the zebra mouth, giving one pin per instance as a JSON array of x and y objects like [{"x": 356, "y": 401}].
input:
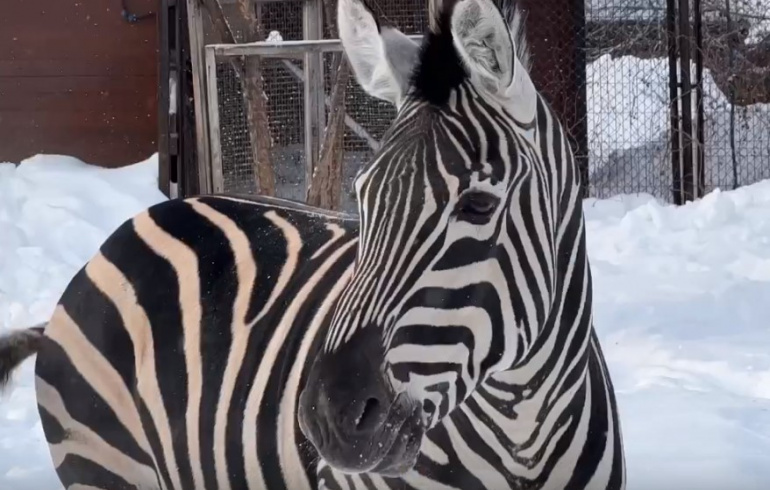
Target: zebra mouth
[{"x": 403, "y": 446}]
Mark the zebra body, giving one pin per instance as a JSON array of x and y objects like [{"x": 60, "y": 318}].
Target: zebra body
[
  {"x": 176, "y": 353},
  {"x": 441, "y": 339}
]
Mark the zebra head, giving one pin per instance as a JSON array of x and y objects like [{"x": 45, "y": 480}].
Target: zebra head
[{"x": 460, "y": 215}]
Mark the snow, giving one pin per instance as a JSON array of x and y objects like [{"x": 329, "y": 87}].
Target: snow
[
  {"x": 55, "y": 211},
  {"x": 274, "y": 37},
  {"x": 681, "y": 308},
  {"x": 680, "y": 293},
  {"x": 628, "y": 137}
]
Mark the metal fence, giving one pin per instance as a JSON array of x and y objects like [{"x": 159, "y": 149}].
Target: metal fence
[
  {"x": 605, "y": 66},
  {"x": 366, "y": 119},
  {"x": 636, "y": 89},
  {"x": 283, "y": 68}
]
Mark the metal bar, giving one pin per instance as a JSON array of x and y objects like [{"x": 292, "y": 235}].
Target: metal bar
[
  {"x": 731, "y": 95},
  {"x": 284, "y": 48},
  {"x": 580, "y": 130},
  {"x": 174, "y": 113},
  {"x": 164, "y": 125},
  {"x": 700, "y": 141},
  {"x": 315, "y": 110},
  {"x": 217, "y": 177},
  {"x": 673, "y": 90},
  {"x": 189, "y": 180},
  {"x": 195, "y": 29},
  {"x": 688, "y": 176}
]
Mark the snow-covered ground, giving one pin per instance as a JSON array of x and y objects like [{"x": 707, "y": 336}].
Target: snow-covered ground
[
  {"x": 681, "y": 307},
  {"x": 628, "y": 130},
  {"x": 54, "y": 214}
]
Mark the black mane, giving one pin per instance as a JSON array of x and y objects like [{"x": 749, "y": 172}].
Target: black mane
[{"x": 440, "y": 68}]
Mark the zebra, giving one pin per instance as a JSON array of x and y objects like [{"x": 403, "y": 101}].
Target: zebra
[{"x": 440, "y": 338}]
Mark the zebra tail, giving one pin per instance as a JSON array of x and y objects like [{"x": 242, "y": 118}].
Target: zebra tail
[{"x": 16, "y": 347}]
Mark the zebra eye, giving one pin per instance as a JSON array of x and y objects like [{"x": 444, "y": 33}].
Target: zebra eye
[{"x": 477, "y": 207}]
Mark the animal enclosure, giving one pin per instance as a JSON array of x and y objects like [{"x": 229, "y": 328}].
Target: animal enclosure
[
  {"x": 666, "y": 98},
  {"x": 291, "y": 123},
  {"x": 299, "y": 107}
]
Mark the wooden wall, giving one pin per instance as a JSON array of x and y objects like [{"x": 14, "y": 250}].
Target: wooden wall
[
  {"x": 77, "y": 79},
  {"x": 556, "y": 34}
]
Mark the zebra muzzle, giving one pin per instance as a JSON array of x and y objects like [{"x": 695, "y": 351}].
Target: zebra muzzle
[{"x": 351, "y": 414}]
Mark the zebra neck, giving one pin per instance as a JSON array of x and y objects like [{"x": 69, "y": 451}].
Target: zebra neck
[
  {"x": 522, "y": 403},
  {"x": 529, "y": 401}
]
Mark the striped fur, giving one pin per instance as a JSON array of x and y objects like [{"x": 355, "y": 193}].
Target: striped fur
[
  {"x": 483, "y": 322},
  {"x": 209, "y": 335},
  {"x": 176, "y": 354}
]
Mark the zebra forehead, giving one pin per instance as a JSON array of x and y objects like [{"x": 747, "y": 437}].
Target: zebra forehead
[{"x": 440, "y": 154}]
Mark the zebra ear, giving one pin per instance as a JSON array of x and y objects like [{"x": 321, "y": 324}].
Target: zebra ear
[
  {"x": 382, "y": 58},
  {"x": 483, "y": 40},
  {"x": 486, "y": 43}
]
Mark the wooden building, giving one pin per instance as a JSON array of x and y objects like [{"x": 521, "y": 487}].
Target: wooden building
[{"x": 78, "y": 78}]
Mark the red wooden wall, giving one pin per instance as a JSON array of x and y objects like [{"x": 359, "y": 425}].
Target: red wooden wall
[{"x": 77, "y": 79}]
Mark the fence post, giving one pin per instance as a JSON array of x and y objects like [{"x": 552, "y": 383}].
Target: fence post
[
  {"x": 165, "y": 69},
  {"x": 215, "y": 143},
  {"x": 688, "y": 176},
  {"x": 197, "y": 42},
  {"x": 700, "y": 158},
  {"x": 673, "y": 95},
  {"x": 188, "y": 177},
  {"x": 315, "y": 109},
  {"x": 687, "y": 143}
]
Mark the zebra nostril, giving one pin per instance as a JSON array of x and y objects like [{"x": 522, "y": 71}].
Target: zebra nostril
[{"x": 370, "y": 416}]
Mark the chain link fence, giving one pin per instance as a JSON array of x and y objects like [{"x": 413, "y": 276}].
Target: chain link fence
[
  {"x": 602, "y": 65},
  {"x": 736, "y": 86},
  {"x": 628, "y": 84}
]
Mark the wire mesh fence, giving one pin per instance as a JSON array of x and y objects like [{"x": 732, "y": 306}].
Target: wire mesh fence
[
  {"x": 736, "y": 87},
  {"x": 627, "y": 94},
  {"x": 368, "y": 119},
  {"x": 603, "y": 66},
  {"x": 285, "y": 103},
  {"x": 630, "y": 137}
]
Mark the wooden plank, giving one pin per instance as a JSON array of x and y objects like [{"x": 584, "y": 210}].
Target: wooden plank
[
  {"x": 50, "y": 66},
  {"x": 284, "y": 48},
  {"x": 217, "y": 176},
  {"x": 78, "y": 80},
  {"x": 315, "y": 109},
  {"x": 188, "y": 176},
  {"x": 196, "y": 33}
]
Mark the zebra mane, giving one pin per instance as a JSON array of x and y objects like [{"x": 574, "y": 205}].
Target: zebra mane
[{"x": 440, "y": 68}]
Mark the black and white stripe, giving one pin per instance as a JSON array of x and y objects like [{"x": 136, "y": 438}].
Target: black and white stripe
[
  {"x": 231, "y": 343},
  {"x": 485, "y": 322},
  {"x": 175, "y": 356}
]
